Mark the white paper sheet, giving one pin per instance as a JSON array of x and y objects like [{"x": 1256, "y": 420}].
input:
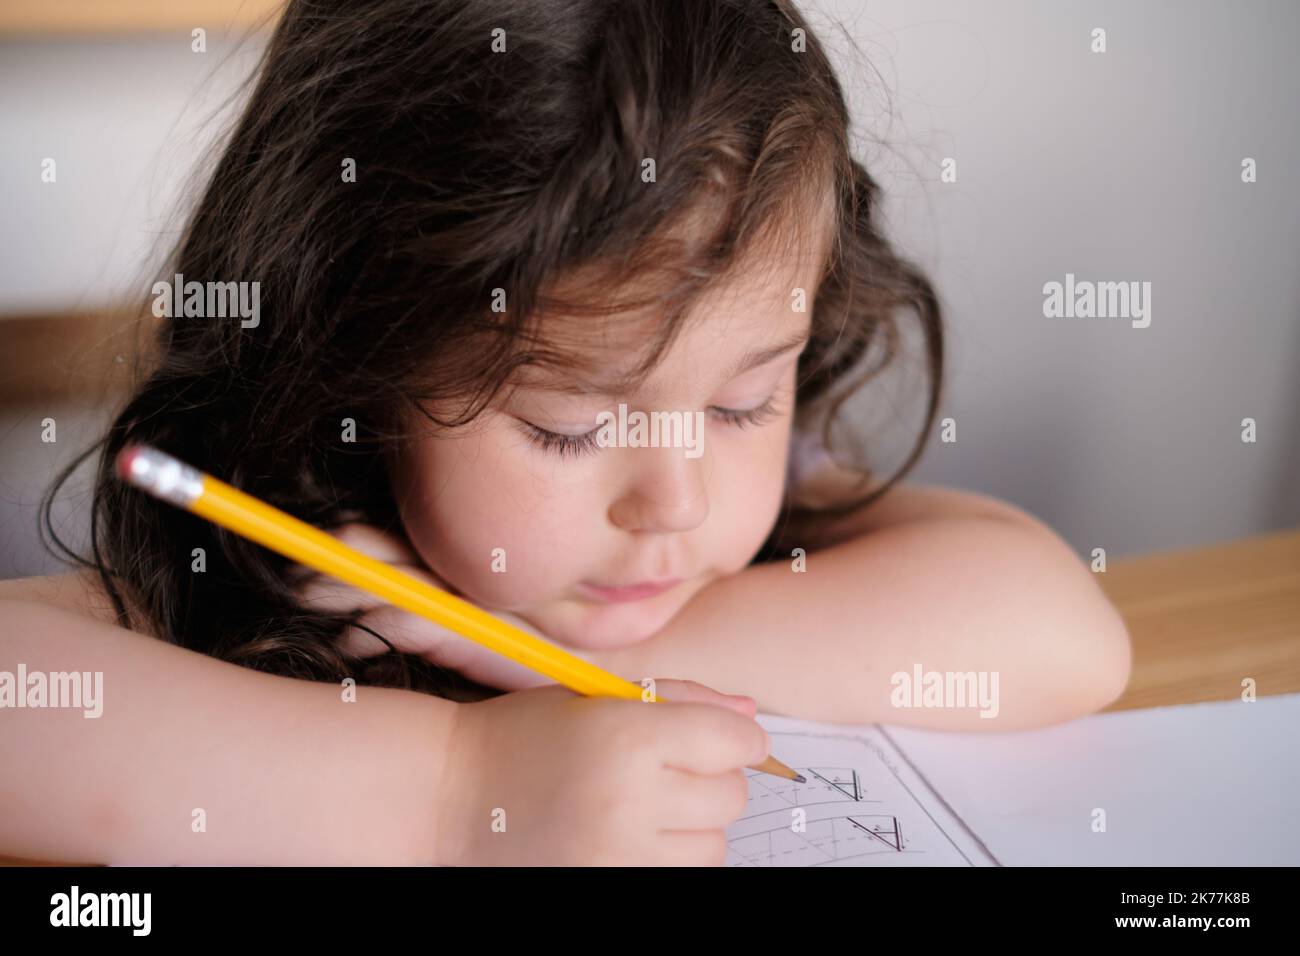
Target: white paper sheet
[
  {"x": 1204, "y": 784},
  {"x": 1214, "y": 784}
]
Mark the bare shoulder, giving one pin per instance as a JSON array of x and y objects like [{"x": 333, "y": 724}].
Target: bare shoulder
[
  {"x": 81, "y": 591},
  {"x": 907, "y": 503},
  {"x": 901, "y": 504}
]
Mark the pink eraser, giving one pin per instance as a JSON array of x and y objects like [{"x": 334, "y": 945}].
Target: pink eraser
[{"x": 122, "y": 464}]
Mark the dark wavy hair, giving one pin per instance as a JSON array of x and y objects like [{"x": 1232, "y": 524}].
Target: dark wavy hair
[{"x": 476, "y": 170}]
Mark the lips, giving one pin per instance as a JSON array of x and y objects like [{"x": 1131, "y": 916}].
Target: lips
[{"x": 629, "y": 592}]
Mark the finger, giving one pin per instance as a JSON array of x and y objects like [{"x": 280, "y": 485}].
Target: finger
[
  {"x": 389, "y": 547},
  {"x": 490, "y": 667},
  {"x": 296, "y": 575},
  {"x": 693, "y": 801},
  {"x": 406, "y": 632},
  {"x": 382, "y": 545},
  {"x": 689, "y": 691},
  {"x": 706, "y": 739},
  {"x": 411, "y": 634},
  {"x": 324, "y": 593},
  {"x": 328, "y": 593},
  {"x": 360, "y": 642}
]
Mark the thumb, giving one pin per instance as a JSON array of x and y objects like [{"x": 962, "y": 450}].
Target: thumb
[{"x": 693, "y": 692}]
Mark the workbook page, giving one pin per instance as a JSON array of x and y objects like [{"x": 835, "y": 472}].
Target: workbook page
[{"x": 863, "y": 805}]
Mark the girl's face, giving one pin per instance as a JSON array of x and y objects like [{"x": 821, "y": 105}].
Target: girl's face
[{"x": 574, "y": 540}]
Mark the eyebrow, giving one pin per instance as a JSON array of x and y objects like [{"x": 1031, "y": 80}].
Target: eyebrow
[
  {"x": 752, "y": 360},
  {"x": 763, "y": 356}
]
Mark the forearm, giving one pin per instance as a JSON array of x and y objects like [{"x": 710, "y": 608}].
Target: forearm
[
  {"x": 952, "y": 596},
  {"x": 283, "y": 771}
]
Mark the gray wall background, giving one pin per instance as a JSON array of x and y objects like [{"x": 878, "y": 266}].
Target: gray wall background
[{"x": 1122, "y": 166}]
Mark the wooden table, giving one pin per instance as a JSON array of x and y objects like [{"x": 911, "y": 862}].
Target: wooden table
[
  {"x": 1201, "y": 621},
  {"x": 1205, "y": 619}
]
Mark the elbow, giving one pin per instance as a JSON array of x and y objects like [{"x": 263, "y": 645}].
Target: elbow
[
  {"x": 1083, "y": 672},
  {"x": 1093, "y": 662},
  {"x": 1107, "y": 663},
  {"x": 1085, "y": 666}
]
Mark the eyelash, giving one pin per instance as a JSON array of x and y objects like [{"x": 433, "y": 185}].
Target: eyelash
[{"x": 576, "y": 445}]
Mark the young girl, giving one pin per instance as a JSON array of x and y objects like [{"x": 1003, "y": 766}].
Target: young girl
[{"x": 476, "y": 227}]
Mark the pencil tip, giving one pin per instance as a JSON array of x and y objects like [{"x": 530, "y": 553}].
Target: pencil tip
[{"x": 798, "y": 778}]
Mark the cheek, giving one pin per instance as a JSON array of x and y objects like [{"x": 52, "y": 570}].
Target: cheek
[
  {"x": 753, "y": 474},
  {"x": 752, "y": 467},
  {"x": 462, "y": 499}
]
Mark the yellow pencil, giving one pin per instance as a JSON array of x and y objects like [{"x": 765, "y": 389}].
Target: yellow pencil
[{"x": 177, "y": 483}]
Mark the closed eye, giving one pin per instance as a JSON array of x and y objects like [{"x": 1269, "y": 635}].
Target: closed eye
[
  {"x": 586, "y": 443},
  {"x": 750, "y": 417},
  {"x": 561, "y": 445}
]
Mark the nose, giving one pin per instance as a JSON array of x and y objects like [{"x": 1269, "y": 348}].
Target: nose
[{"x": 667, "y": 492}]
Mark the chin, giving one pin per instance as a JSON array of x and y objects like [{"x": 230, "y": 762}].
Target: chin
[{"x": 593, "y": 626}]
